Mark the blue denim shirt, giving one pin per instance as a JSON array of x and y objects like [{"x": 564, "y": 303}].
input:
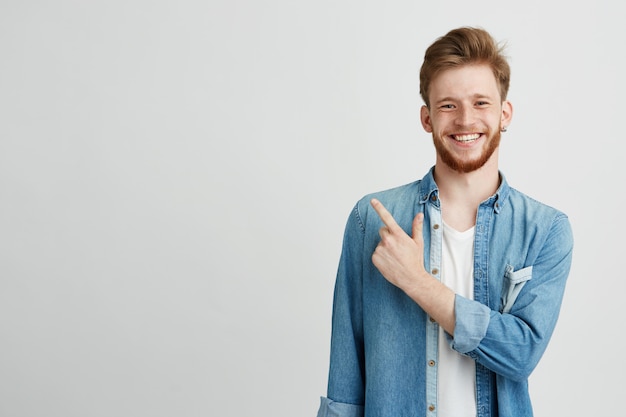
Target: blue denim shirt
[{"x": 384, "y": 346}]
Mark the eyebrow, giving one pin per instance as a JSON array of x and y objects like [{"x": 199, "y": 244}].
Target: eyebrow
[{"x": 475, "y": 97}]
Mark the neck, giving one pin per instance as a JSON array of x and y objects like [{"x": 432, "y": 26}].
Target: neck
[
  {"x": 462, "y": 193},
  {"x": 476, "y": 186}
]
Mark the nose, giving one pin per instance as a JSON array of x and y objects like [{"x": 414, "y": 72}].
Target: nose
[{"x": 465, "y": 116}]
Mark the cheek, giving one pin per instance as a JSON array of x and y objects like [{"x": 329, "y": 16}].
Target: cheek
[
  {"x": 443, "y": 122},
  {"x": 496, "y": 118},
  {"x": 441, "y": 129}
]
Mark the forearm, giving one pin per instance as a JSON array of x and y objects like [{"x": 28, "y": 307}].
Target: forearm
[
  {"x": 436, "y": 299},
  {"x": 509, "y": 344},
  {"x": 400, "y": 259}
]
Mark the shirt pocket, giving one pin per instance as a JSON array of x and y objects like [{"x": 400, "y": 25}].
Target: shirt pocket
[{"x": 513, "y": 283}]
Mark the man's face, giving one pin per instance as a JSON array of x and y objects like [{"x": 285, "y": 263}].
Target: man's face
[{"x": 465, "y": 116}]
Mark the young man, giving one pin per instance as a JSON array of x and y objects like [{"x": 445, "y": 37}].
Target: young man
[{"x": 449, "y": 288}]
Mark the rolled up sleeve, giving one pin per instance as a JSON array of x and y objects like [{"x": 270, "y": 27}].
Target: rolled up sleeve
[
  {"x": 330, "y": 408},
  {"x": 472, "y": 321}
]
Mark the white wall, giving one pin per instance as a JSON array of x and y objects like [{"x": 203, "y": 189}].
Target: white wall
[{"x": 175, "y": 178}]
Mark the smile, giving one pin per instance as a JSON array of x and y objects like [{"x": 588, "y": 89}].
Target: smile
[{"x": 466, "y": 138}]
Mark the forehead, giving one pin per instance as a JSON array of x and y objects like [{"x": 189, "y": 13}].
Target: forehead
[{"x": 463, "y": 82}]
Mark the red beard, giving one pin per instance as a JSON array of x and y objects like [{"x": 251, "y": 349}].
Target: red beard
[{"x": 465, "y": 166}]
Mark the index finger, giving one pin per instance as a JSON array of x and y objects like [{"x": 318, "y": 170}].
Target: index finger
[{"x": 384, "y": 215}]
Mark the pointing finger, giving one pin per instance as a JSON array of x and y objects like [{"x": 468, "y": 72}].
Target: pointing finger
[{"x": 384, "y": 215}]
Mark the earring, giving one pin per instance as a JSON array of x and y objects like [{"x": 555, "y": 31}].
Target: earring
[{"x": 503, "y": 129}]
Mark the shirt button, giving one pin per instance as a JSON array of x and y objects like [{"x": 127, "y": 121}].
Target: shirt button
[
  {"x": 432, "y": 320},
  {"x": 431, "y": 408},
  {"x": 433, "y": 197},
  {"x": 431, "y": 363},
  {"x": 435, "y": 271},
  {"x": 436, "y": 226}
]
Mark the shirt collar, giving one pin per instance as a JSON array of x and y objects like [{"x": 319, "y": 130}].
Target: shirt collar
[{"x": 430, "y": 191}]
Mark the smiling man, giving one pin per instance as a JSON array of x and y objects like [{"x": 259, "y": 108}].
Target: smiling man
[{"x": 449, "y": 288}]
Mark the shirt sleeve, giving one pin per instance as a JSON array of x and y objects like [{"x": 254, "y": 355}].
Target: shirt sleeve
[
  {"x": 471, "y": 325},
  {"x": 330, "y": 408},
  {"x": 346, "y": 382},
  {"x": 511, "y": 341}
]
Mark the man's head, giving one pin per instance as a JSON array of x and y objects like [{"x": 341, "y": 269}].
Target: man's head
[
  {"x": 464, "y": 83},
  {"x": 464, "y": 46}
]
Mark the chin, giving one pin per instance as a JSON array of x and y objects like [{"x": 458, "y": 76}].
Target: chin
[{"x": 463, "y": 166}]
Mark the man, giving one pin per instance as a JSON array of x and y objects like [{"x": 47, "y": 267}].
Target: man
[{"x": 449, "y": 288}]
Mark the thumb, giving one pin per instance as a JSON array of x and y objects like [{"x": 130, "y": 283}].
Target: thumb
[{"x": 418, "y": 223}]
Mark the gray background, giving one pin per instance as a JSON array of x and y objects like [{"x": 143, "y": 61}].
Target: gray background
[{"x": 175, "y": 178}]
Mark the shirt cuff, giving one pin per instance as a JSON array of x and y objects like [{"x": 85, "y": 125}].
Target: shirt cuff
[
  {"x": 472, "y": 320},
  {"x": 330, "y": 408}
]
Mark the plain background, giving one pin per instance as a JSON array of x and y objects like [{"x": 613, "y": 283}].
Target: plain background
[{"x": 175, "y": 178}]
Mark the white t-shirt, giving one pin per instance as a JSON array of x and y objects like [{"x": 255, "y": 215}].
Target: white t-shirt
[{"x": 456, "y": 376}]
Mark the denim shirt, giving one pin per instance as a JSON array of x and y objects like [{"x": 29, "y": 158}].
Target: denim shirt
[{"x": 384, "y": 348}]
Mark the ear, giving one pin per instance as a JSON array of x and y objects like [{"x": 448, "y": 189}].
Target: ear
[
  {"x": 507, "y": 113},
  {"x": 425, "y": 118}
]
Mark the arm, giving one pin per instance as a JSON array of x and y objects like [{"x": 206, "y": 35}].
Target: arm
[
  {"x": 400, "y": 258},
  {"x": 508, "y": 343},
  {"x": 512, "y": 343},
  {"x": 346, "y": 382}
]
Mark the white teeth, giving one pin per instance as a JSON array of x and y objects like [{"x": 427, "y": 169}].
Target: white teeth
[{"x": 466, "y": 138}]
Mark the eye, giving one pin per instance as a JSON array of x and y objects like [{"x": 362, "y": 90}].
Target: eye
[
  {"x": 482, "y": 103},
  {"x": 446, "y": 106}
]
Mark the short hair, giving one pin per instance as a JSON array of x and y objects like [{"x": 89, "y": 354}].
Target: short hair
[{"x": 464, "y": 46}]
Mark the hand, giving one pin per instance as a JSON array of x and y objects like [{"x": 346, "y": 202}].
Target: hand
[{"x": 398, "y": 256}]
